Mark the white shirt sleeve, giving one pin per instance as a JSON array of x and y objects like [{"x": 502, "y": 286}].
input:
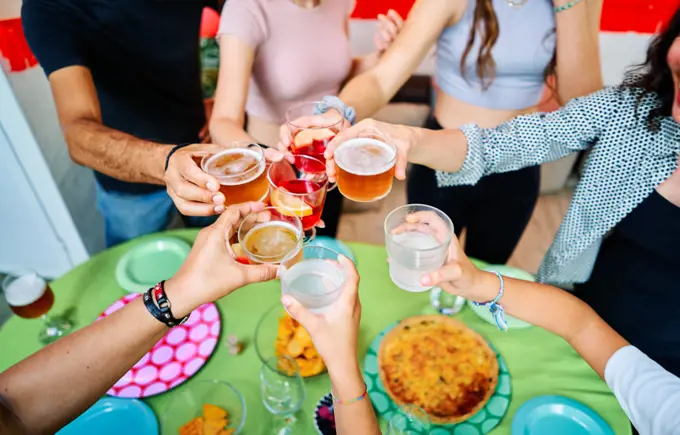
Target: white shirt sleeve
[{"x": 648, "y": 394}]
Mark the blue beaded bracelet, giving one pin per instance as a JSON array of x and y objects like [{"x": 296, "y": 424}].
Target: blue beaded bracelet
[
  {"x": 567, "y": 6},
  {"x": 495, "y": 308}
]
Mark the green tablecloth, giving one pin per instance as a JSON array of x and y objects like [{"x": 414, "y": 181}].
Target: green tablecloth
[{"x": 539, "y": 362}]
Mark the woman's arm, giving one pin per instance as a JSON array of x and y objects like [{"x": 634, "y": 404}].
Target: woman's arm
[
  {"x": 78, "y": 369},
  {"x": 542, "y": 305},
  {"x": 465, "y": 155},
  {"x": 335, "y": 336},
  {"x": 236, "y": 64},
  {"x": 370, "y": 91},
  {"x": 578, "y": 56}
]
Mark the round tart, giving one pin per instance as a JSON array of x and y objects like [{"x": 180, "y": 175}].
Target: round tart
[{"x": 439, "y": 364}]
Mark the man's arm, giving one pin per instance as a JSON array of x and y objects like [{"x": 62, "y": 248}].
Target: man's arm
[
  {"x": 94, "y": 145},
  {"x": 76, "y": 370}
]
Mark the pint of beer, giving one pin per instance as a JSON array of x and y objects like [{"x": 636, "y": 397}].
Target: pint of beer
[
  {"x": 240, "y": 169},
  {"x": 28, "y": 295},
  {"x": 365, "y": 168}
]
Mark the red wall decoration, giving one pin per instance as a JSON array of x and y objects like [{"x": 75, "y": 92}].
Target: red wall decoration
[{"x": 13, "y": 46}]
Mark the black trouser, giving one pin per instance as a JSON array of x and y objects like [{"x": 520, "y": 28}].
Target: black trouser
[
  {"x": 495, "y": 211},
  {"x": 331, "y": 213}
]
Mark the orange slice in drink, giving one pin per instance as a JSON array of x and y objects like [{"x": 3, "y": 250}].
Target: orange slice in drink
[
  {"x": 306, "y": 137},
  {"x": 289, "y": 205}
]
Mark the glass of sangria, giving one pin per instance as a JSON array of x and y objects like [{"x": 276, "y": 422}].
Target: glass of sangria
[
  {"x": 299, "y": 189},
  {"x": 310, "y": 131}
]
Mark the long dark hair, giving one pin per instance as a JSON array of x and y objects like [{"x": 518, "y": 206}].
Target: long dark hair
[
  {"x": 486, "y": 23},
  {"x": 654, "y": 77}
]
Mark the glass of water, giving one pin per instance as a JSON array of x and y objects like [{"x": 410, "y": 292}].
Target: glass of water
[
  {"x": 409, "y": 420},
  {"x": 283, "y": 392},
  {"x": 316, "y": 280},
  {"x": 417, "y": 239}
]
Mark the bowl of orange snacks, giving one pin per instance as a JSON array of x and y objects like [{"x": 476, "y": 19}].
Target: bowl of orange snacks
[
  {"x": 205, "y": 408},
  {"x": 279, "y": 334}
]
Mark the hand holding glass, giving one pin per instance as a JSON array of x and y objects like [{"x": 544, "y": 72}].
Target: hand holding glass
[
  {"x": 315, "y": 281},
  {"x": 417, "y": 239},
  {"x": 268, "y": 236}
]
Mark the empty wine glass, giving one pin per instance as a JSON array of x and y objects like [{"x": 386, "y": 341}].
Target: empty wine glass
[
  {"x": 409, "y": 420},
  {"x": 283, "y": 392}
]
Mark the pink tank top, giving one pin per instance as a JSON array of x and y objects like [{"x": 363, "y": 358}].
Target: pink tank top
[{"x": 300, "y": 54}]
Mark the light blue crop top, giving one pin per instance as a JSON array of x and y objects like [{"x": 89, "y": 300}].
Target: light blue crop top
[{"x": 525, "y": 45}]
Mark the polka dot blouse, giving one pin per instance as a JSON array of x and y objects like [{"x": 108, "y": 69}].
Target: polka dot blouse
[{"x": 626, "y": 162}]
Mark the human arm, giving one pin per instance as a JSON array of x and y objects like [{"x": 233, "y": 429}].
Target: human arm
[
  {"x": 578, "y": 68},
  {"x": 649, "y": 395},
  {"x": 465, "y": 155},
  {"x": 78, "y": 369},
  {"x": 335, "y": 336},
  {"x": 371, "y": 90},
  {"x": 228, "y": 116}
]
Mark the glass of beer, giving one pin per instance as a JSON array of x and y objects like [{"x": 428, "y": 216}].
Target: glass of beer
[
  {"x": 299, "y": 189},
  {"x": 365, "y": 166},
  {"x": 240, "y": 169},
  {"x": 316, "y": 280},
  {"x": 310, "y": 131},
  {"x": 30, "y": 296},
  {"x": 417, "y": 239},
  {"x": 268, "y": 236}
]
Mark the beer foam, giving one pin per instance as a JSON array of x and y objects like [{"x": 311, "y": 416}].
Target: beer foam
[
  {"x": 25, "y": 290},
  {"x": 235, "y": 167},
  {"x": 363, "y": 156}
]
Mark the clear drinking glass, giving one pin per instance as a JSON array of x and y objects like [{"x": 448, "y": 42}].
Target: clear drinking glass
[
  {"x": 30, "y": 296},
  {"x": 283, "y": 392},
  {"x": 268, "y": 236},
  {"x": 241, "y": 170},
  {"x": 316, "y": 280},
  {"x": 446, "y": 303},
  {"x": 409, "y": 420},
  {"x": 310, "y": 131},
  {"x": 299, "y": 189},
  {"x": 417, "y": 238},
  {"x": 365, "y": 166}
]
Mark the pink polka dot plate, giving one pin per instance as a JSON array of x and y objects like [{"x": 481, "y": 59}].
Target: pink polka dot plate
[{"x": 175, "y": 358}]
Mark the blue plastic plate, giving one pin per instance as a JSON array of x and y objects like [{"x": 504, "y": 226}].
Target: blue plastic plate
[
  {"x": 114, "y": 416},
  {"x": 556, "y": 415},
  {"x": 334, "y": 245}
]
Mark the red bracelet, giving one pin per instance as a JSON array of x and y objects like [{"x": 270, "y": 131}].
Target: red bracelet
[{"x": 347, "y": 402}]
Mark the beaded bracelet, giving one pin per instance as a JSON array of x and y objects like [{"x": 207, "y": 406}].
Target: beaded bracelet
[
  {"x": 567, "y": 6},
  {"x": 347, "y": 402},
  {"x": 495, "y": 308}
]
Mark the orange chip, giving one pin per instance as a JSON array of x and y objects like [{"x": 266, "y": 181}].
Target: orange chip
[
  {"x": 303, "y": 337},
  {"x": 213, "y": 412},
  {"x": 214, "y": 427},
  {"x": 310, "y": 353},
  {"x": 193, "y": 427},
  {"x": 294, "y": 348}
]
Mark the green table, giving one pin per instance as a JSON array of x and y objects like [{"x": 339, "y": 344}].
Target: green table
[{"x": 539, "y": 362}]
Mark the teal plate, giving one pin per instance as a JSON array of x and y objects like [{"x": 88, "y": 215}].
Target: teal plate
[
  {"x": 479, "y": 424},
  {"x": 114, "y": 416},
  {"x": 334, "y": 245},
  {"x": 557, "y": 415},
  {"x": 150, "y": 262},
  {"x": 511, "y": 272}
]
